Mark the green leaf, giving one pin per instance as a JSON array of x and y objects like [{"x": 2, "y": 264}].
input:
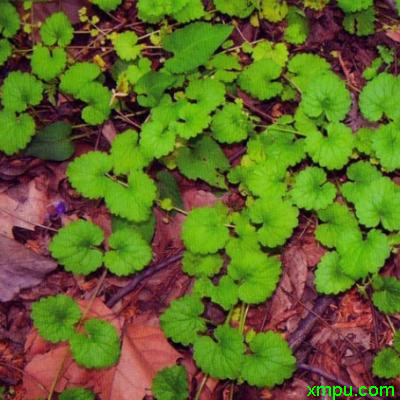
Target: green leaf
[
  {"x": 193, "y": 9},
  {"x": 386, "y": 364},
  {"x": 145, "y": 228},
  {"x": 97, "y": 346},
  {"x": 298, "y": 28},
  {"x": 204, "y": 229},
  {"x": 329, "y": 276},
  {"x": 169, "y": 189},
  {"x": 153, "y": 11},
  {"x": 238, "y": 8},
  {"x": 360, "y": 23},
  {"x": 204, "y": 160},
  {"x": 133, "y": 201},
  {"x": 171, "y": 384},
  {"x": 48, "y": 64},
  {"x": 359, "y": 257},
  {"x": 225, "y": 294},
  {"x": 98, "y": 98},
  {"x": 16, "y": 131},
  {"x": 181, "y": 322},
  {"x": 385, "y": 143},
  {"x": 271, "y": 361},
  {"x": 231, "y": 124},
  {"x": 316, "y": 4},
  {"x": 363, "y": 141},
  {"x": 208, "y": 93},
  {"x": 77, "y": 76},
  {"x": 222, "y": 359},
  {"x": 386, "y": 295},
  {"x": 274, "y": 10},
  {"x": 75, "y": 247},
  {"x": 193, "y": 45},
  {"x": 87, "y": 174},
  {"x": 129, "y": 252},
  {"x": 277, "y": 218},
  {"x": 380, "y": 205},
  {"x": 333, "y": 150},
  {"x": 199, "y": 265},
  {"x": 326, "y": 95},
  {"x": 57, "y": 30},
  {"x": 257, "y": 276},
  {"x": 337, "y": 219},
  {"x": 9, "y": 19},
  {"x": 126, "y": 154},
  {"x": 378, "y": 98},
  {"x": 258, "y": 79},
  {"x": 55, "y": 317},
  {"x": 5, "y": 50},
  {"x": 311, "y": 190},
  {"x": 21, "y": 90},
  {"x": 52, "y": 143},
  {"x": 76, "y": 394},
  {"x": 125, "y": 44},
  {"x": 351, "y": 6},
  {"x": 151, "y": 87},
  {"x": 266, "y": 50},
  {"x": 107, "y": 5}
]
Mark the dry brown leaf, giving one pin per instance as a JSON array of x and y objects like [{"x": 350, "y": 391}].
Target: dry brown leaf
[
  {"x": 20, "y": 268},
  {"x": 23, "y": 206}
]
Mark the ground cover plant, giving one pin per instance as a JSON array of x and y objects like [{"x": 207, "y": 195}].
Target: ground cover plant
[{"x": 252, "y": 143}]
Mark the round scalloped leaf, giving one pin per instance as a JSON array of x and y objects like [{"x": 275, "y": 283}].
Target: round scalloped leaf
[
  {"x": 204, "y": 229},
  {"x": 16, "y": 131},
  {"x": 21, "y": 90},
  {"x": 231, "y": 124},
  {"x": 386, "y": 295},
  {"x": 363, "y": 174},
  {"x": 57, "y": 30},
  {"x": 182, "y": 321},
  {"x": 298, "y": 27},
  {"x": 223, "y": 358},
  {"x": 9, "y": 19},
  {"x": 107, "y": 5},
  {"x": 5, "y": 51},
  {"x": 125, "y": 44},
  {"x": 76, "y": 394},
  {"x": 274, "y": 10},
  {"x": 97, "y": 346},
  {"x": 271, "y": 361},
  {"x": 386, "y": 364},
  {"x": 201, "y": 265},
  {"x": 276, "y": 52},
  {"x": 380, "y": 205},
  {"x": 257, "y": 276},
  {"x": 192, "y": 10},
  {"x": 153, "y": 11},
  {"x": 87, "y": 174},
  {"x": 359, "y": 257},
  {"x": 98, "y": 98},
  {"x": 74, "y": 247},
  {"x": 329, "y": 276},
  {"x": 48, "y": 64},
  {"x": 145, "y": 228},
  {"x": 333, "y": 150},
  {"x": 311, "y": 190},
  {"x": 77, "y": 76},
  {"x": 337, "y": 218},
  {"x": 129, "y": 252},
  {"x": 125, "y": 153},
  {"x": 55, "y": 317},
  {"x": 208, "y": 93},
  {"x": 351, "y": 6},
  {"x": 133, "y": 201},
  {"x": 277, "y": 218},
  {"x": 326, "y": 95},
  {"x": 385, "y": 144},
  {"x": 238, "y": 8},
  {"x": 379, "y": 97},
  {"x": 258, "y": 79},
  {"x": 171, "y": 384}
]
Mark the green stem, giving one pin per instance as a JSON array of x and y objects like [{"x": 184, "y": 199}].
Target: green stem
[
  {"x": 115, "y": 179},
  {"x": 201, "y": 387},
  {"x": 243, "y": 315}
]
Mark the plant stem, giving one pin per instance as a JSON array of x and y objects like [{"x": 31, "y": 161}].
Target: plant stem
[
  {"x": 243, "y": 315},
  {"x": 231, "y": 391},
  {"x": 201, "y": 387}
]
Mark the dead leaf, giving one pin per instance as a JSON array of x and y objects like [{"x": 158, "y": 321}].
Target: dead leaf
[
  {"x": 23, "y": 206},
  {"x": 20, "y": 268},
  {"x": 394, "y": 35}
]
